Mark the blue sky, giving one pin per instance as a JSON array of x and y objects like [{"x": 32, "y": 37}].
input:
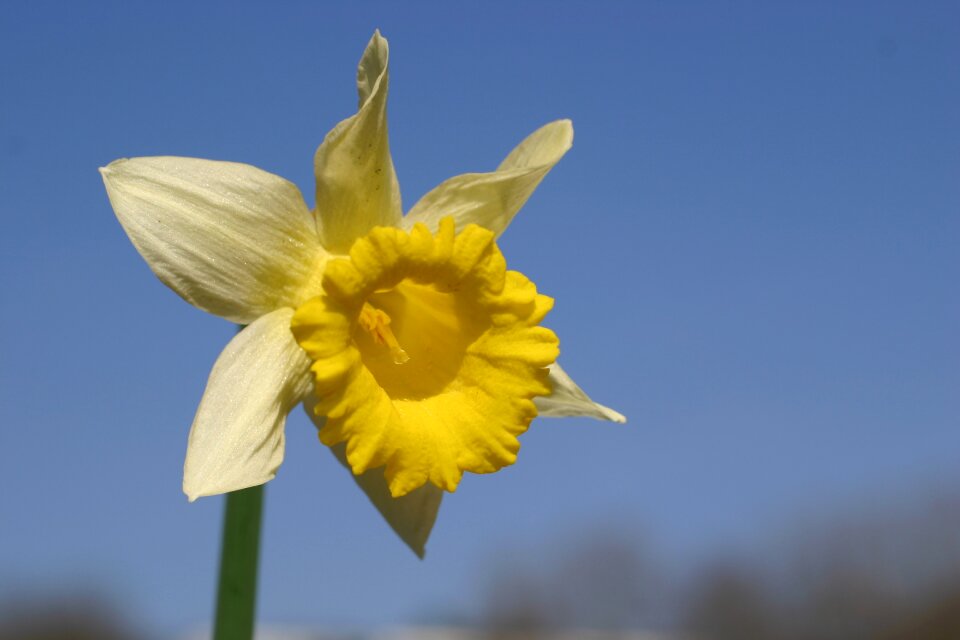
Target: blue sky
[{"x": 752, "y": 244}]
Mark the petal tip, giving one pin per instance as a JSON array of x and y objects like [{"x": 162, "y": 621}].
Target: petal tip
[
  {"x": 565, "y": 126},
  {"x": 113, "y": 166},
  {"x": 379, "y": 44},
  {"x": 602, "y": 412},
  {"x": 378, "y": 48},
  {"x": 613, "y": 416},
  {"x": 191, "y": 495}
]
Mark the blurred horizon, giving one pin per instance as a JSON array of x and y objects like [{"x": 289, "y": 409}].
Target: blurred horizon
[
  {"x": 752, "y": 245},
  {"x": 884, "y": 573}
]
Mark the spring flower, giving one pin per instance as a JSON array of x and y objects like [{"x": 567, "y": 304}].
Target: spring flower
[{"x": 417, "y": 353}]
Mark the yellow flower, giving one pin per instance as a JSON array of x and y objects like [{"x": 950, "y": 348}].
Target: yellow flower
[{"x": 412, "y": 346}]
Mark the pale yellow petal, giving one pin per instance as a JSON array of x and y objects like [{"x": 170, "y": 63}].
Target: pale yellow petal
[
  {"x": 492, "y": 199},
  {"x": 231, "y": 239},
  {"x": 356, "y": 184},
  {"x": 568, "y": 399},
  {"x": 237, "y": 436}
]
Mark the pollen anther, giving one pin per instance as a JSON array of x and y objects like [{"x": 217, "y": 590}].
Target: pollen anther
[{"x": 376, "y": 322}]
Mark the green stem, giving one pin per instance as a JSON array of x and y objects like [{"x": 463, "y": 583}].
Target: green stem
[{"x": 236, "y": 595}]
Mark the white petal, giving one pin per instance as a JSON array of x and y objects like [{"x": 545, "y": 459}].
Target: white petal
[
  {"x": 356, "y": 185},
  {"x": 237, "y": 436},
  {"x": 410, "y": 516},
  {"x": 229, "y": 238},
  {"x": 568, "y": 399},
  {"x": 492, "y": 199}
]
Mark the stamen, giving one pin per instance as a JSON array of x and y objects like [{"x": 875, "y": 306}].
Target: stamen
[{"x": 377, "y": 323}]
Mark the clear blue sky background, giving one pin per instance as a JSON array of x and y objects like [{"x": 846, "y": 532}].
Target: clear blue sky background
[{"x": 753, "y": 245}]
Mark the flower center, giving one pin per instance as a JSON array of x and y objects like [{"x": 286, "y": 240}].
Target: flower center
[{"x": 472, "y": 352}]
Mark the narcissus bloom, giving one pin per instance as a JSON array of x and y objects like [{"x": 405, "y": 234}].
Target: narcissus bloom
[{"x": 417, "y": 353}]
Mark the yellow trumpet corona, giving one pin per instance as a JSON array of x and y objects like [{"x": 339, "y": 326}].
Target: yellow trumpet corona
[{"x": 461, "y": 389}]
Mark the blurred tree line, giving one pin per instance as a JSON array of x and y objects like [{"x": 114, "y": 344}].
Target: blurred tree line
[
  {"x": 889, "y": 575},
  {"x": 74, "y": 616},
  {"x": 892, "y": 574}
]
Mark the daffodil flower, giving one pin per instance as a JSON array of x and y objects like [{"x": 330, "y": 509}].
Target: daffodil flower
[{"x": 417, "y": 353}]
